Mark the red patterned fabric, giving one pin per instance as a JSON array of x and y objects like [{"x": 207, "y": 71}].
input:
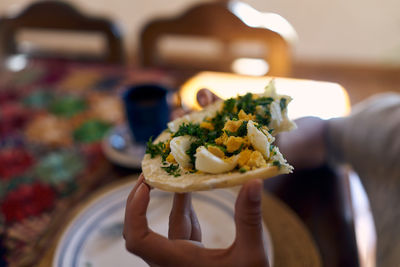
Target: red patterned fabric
[
  {"x": 27, "y": 200},
  {"x": 14, "y": 162}
]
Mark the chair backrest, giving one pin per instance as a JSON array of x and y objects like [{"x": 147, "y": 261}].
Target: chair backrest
[
  {"x": 226, "y": 23},
  {"x": 62, "y": 17}
]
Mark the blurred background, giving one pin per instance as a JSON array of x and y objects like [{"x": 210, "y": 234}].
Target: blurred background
[
  {"x": 65, "y": 128},
  {"x": 356, "y": 32},
  {"x": 356, "y": 43}
]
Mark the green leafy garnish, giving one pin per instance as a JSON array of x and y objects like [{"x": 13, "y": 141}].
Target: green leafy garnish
[
  {"x": 219, "y": 121},
  {"x": 192, "y": 129},
  {"x": 165, "y": 153},
  {"x": 229, "y": 105},
  {"x": 154, "y": 149},
  {"x": 246, "y": 103},
  {"x": 264, "y": 101},
  {"x": 263, "y": 120},
  {"x": 283, "y": 103},
  {"x": 172, "y": 169},
  {"x": 242, "y": 170},
  {"x": 277, "y": 163},
  {"x": 192, "y": 150},
  {"x": 241, "y": 131}
]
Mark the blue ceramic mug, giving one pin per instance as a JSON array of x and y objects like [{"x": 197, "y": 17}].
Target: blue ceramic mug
[{"x": 146, "y": 110}]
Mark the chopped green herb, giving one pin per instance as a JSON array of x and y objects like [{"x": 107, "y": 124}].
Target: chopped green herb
[
  {"x": 264, "y": 101},
  {"x": 241, "y": 131},
  {"x": 172, "y": 169},
  {"x": 219, "y": 121},
  {"x": 271, "y": 148},
  {"x": 246, "y": 103},
  {"x": 165, "y": 154},
  {"x": 192, "y": 129},
  {"x": 154, "y": 149},
  {"x": 229, "y": 105},
  {"x": 242, "y": 170},
  {"x": 263, "y": 120},
  {"x": 283, "y": 103},
  {"x": 212, "y": 135},
  {"x": 277, "y": 163},
  {"x": 192, "y": 150}
]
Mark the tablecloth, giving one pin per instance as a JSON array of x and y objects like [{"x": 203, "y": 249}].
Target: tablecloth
[{"x": 53, "y": 115}]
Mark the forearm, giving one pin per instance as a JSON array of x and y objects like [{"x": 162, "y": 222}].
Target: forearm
[{"x": 369, "y": 139}]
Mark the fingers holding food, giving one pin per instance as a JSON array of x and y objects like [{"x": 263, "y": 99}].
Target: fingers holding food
[
  {"x": 225, "y": 144},
  {"x": 205, "y": 97}
]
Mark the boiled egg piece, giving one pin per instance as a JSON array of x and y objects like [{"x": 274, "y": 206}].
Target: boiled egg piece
[
  {"x": 276, "y": 115},
  {"x": 179, "y": 145},
  {"x": 196, "y": 117},
  {"x": 260, "y": 139},
  {"x": 209, "y": 163}
]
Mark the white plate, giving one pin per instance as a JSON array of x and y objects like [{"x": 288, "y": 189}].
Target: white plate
[{"x": 94, "y": 237}]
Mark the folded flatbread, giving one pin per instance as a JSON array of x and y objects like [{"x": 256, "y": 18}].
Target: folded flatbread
[{"x": 223, "y": 145}]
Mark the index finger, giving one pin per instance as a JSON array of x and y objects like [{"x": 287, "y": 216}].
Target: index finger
[{"x": 142, "y": 241}]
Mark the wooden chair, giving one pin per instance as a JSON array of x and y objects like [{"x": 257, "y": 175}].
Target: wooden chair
[
  {"x": 226, "y": 23},
  {"x": 62, "y": 17}
]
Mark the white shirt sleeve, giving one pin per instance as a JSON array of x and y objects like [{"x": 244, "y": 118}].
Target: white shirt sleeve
[{"x": 369, "y": 140}]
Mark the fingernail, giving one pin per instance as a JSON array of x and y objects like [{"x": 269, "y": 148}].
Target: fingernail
[{"x": 254, "y": 191}]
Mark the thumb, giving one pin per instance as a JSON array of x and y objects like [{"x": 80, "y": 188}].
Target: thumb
[
  {"x": 205, "y": 97},
  {"x": 248, "y": 215}
]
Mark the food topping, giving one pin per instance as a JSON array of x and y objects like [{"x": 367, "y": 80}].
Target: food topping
[{"x": 236, "y": 135}]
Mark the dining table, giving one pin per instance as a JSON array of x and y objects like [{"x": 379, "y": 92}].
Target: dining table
[{"x": 54, "y": 116}]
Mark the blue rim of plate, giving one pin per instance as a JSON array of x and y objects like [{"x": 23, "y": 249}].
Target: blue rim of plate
[
  {"x": 86, "y": 213},
  {"x": 93, "y": 211}
]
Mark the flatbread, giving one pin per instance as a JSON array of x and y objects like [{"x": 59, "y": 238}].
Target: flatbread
[{"x": 158, "y": 178}]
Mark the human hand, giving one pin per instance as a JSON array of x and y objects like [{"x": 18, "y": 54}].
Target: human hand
[
  {"x": 204, "y": 97},
  {"x": 182, "y": 248}
]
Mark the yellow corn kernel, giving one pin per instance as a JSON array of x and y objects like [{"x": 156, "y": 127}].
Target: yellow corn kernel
[
  {"x": 233, "y": 143},
  {"x": 171, "y": 158},
  {"x": 256, "y": 160},
  {"x": 244, "y": 156},
  {"x": 246, "y": 117},
  {"x": 216, "y": 151},
  {"x": 207, "y": 125}
]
